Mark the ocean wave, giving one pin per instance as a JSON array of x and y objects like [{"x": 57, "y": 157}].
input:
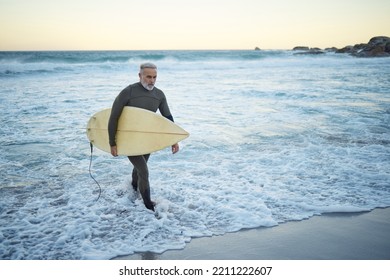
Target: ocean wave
[
  {"x": 52, "y": 62},
  {"x": 9, "y": 73},
  {"x": 47, "y": 62},
  {"x": 69, "y": 57},
  {"x": 98, "y": 57}
]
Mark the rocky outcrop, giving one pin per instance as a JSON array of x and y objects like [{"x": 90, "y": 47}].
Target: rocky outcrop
[
  {"x": 377, "y": 47},
  {"x": 306, "y": 50},
  {"x": 332, "y": 49},
  {"x": 301, "y": 48},
  {"x": 309, "y": 52}
]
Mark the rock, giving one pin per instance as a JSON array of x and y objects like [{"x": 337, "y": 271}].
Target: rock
[
  {"x": 310, "y": 52},
  {"x": 332, "y": 49},
  {"x": 379, "y": 40},
  {"x": 307, "y": 50},
  {"x": 347, "y": 49},
  {"x": 377, "y": 47},
  {"x": 300, "y": 48},
  {"x": 376, "y": 51},
  {"x": 257, "y": 49},
  {"x": 387, "y": 47}
]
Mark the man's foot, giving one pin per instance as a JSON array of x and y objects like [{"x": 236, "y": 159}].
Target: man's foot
[{"x": 150, "y": 205}]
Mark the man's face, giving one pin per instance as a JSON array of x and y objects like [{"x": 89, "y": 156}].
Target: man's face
[{"x": 148, "y": 78}]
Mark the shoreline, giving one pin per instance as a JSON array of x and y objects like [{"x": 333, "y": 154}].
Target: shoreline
[{"x": 331, "y": 236}]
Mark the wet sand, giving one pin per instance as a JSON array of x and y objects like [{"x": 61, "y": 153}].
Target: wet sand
[{"x": 335, "y": 236}]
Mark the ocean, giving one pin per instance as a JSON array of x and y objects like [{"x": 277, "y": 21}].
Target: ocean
[{"x": 274, "y": 137}]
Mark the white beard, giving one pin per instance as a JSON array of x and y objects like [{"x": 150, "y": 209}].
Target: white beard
[{"x": 148, "y": 87}]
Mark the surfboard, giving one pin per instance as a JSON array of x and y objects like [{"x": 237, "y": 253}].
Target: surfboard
[{"x": 139, "y": 132}]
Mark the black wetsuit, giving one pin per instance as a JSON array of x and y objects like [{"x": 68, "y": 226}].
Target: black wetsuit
[{"x": 136, "y": 95}]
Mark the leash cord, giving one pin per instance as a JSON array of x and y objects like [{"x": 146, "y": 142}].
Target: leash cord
[{"x": 90, "y": 174}]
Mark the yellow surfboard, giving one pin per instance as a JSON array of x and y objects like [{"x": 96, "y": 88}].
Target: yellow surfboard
[{"x": 139, "y": 132}]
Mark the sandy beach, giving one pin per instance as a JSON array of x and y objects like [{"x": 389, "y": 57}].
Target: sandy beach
[{"x": 336, "y": 236}]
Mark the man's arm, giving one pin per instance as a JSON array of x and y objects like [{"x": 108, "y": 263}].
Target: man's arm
[
  {"x": 116, "y": 111},
  {"x": 164, "y": 110}
]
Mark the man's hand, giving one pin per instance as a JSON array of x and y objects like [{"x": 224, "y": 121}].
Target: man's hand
[
  {"x": 175, "y": 148},
  {"x": 114, "y": 151}
]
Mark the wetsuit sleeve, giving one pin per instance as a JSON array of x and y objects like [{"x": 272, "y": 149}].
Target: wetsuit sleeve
[
  {"x": 164, "y": 110},
  {"x": 170, "y": 117},
  {"x": 116, "y": 111}
]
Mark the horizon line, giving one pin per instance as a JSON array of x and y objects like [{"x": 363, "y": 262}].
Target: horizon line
[{"x": 125, "y": 50}]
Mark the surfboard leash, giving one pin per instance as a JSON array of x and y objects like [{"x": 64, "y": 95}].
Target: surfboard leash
[{"x": 90, "y": 173}]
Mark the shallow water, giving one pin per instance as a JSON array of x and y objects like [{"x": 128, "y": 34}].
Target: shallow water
[{"x": 274, "y": 138}]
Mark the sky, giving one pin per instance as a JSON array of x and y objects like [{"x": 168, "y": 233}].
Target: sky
[{"x": 189, "y": 24}]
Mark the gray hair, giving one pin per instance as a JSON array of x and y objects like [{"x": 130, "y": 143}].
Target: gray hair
[{"x": 147, "y": 65}]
